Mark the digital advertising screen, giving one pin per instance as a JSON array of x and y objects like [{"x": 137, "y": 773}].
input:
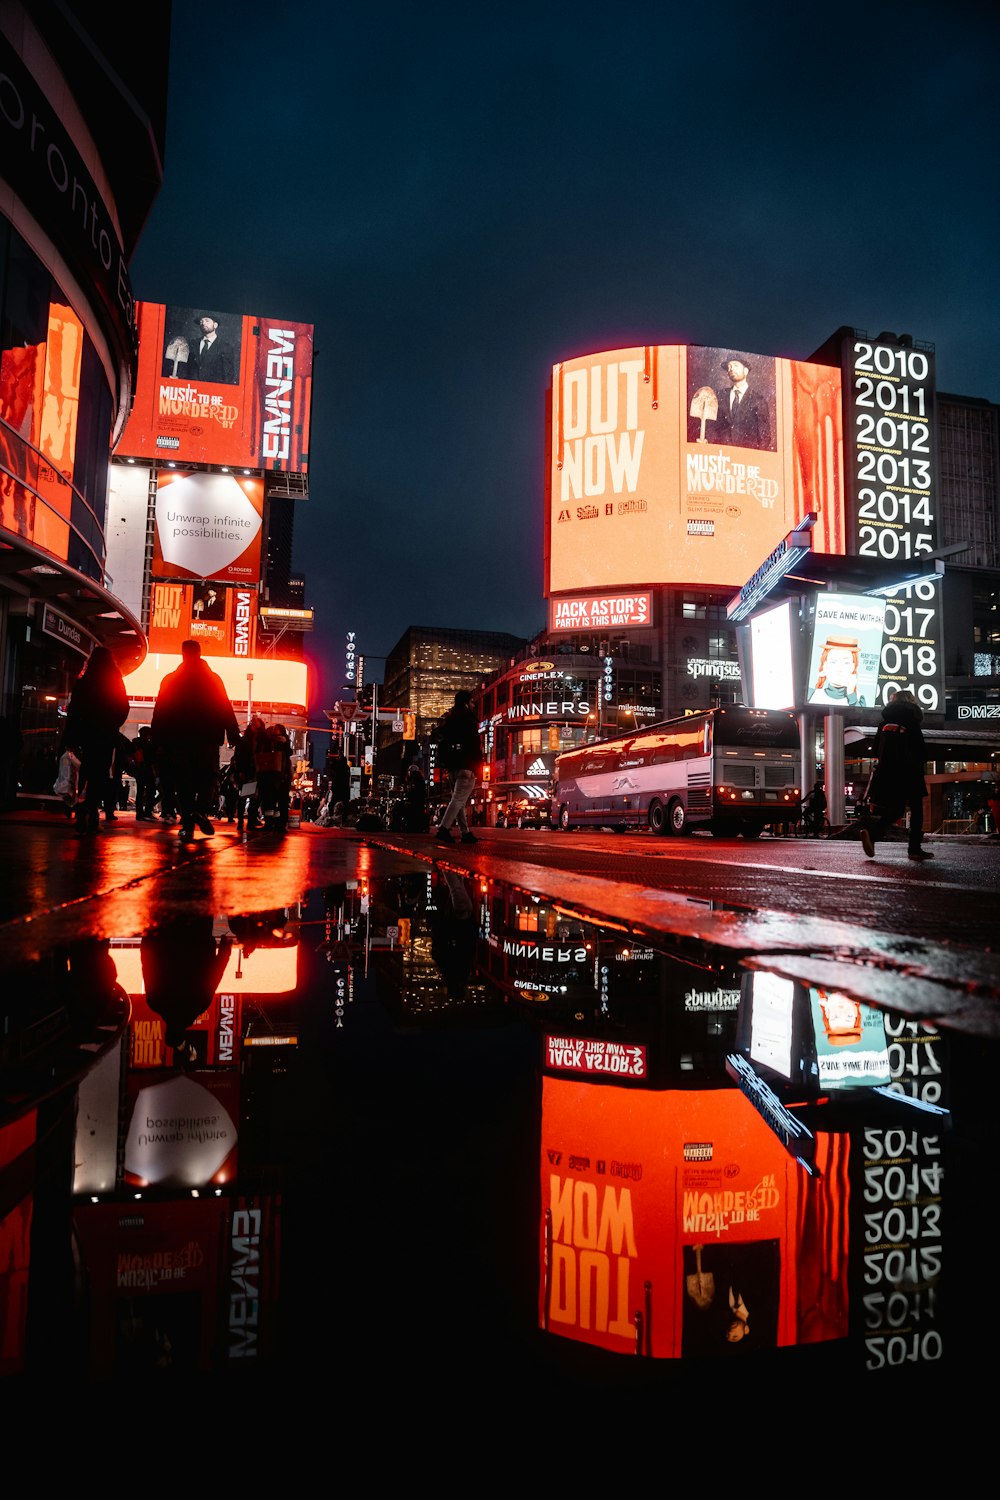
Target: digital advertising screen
[
  {"x": 846, "y": 651},
  {"x": 681, "y": 464},
  {"x": 208, "y": 527},
  {"x": 221, "y": 388},
  {"x": 768, "y": 642},
  {"x": 891, "y": 476},
  {"x": 223, "y": 620}
]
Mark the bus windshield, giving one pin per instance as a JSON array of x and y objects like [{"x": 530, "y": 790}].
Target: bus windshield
[{"x": 756, "y": 727}]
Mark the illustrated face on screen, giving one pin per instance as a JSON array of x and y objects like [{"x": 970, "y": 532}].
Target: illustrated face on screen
[{"x": 838, "y": 666}]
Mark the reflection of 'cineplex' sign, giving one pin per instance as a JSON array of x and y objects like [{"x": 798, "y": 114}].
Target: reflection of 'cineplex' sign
[{"x": 600, "y": 612}]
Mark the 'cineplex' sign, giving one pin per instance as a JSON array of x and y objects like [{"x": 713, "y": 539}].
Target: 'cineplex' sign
[{"x": 600, "y": 611}]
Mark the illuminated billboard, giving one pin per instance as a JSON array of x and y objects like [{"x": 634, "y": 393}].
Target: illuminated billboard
[
  {"x": 270, "y": 680},
  {"x": 679, "y": 464},
  {"x": 892, "y": 485},
  {"x": 208, "y": 526},
  {"x": 221, "y": 388},
  {"x": 222, "y": 619},
  {"x": 846, "y": 648},
  {"x": 601, "y": 612}
]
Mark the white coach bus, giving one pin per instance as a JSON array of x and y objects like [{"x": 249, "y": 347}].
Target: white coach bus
[{"x": 733, "y": 770}]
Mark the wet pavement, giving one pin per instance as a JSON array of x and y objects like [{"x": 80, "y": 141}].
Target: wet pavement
[{"x": 466, "y": 1109}]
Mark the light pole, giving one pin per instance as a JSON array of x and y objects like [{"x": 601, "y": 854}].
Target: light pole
[{"x": 249, "y": 696}]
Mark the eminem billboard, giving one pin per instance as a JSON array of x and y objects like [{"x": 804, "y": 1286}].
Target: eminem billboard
[
  {"x": 221, "y": 388},
  {"x": 675, "y": 464}
]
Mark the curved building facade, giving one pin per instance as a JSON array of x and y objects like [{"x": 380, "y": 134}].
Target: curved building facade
[{"x": 81, "y": 125}]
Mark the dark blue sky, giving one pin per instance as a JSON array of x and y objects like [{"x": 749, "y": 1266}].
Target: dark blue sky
[{"x": 459, "y": 196}]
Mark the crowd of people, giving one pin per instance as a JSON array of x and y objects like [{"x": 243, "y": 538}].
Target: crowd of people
[{"x": 174, "y": 760}]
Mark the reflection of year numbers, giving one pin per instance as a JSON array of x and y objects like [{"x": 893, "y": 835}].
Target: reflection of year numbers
[
  {"x": 880, "y": 1144},
  {"x": 903, "y": 1267},
  {"x": 874, "y": 542},
  {"x": 912, "y": 474},
  {"x": 892, "y": 508},
  {"x": 897, "y": 1224},
  {"x": 902, "y": 1349},
  {"x": 882, "y": 361},
  {"x": 899, "y": 1184},
  {"x": 929, "y": 1092},
  {"x": 894, "y": 1309},
  {"x": 920, "y": 1061},
  {"x": 890, "y": 434},
  {"x": 889, "y": 397}
]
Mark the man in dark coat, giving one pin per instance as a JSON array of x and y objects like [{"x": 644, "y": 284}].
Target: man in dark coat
[
  {"x": 897, "y": 782},
  {"x": 744, "y": 419},
  {"x": 191, "y": 719},
  {"x": 97, "y": 709},
  {"x": 460, "y": 752}
]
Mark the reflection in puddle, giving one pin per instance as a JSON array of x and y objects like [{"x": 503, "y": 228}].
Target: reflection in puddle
[{"x": 434, "y": 1104}]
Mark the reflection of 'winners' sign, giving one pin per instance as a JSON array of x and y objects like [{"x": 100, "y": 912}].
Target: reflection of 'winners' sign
[{"x": 705, "y": 408}]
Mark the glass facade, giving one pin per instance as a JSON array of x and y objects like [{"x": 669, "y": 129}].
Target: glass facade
[{"x": 56, "y": 415}]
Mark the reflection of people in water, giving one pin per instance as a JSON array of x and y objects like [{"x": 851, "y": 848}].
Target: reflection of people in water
[
  {"x": 182, "y": 969},
  {"x": 453, "y": 935},
  {"x": 837, "y": 677}
]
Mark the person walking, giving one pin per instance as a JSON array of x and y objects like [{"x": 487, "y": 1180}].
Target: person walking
[
  {"x": 191, "y": 719},
  {"x": 97, "y": 709},
  {"x": 145, "y": 775},
  {"x": 243, "y": 768},
  {"x": 460, "y": 753},
  {"x": 897, "y": 782}
]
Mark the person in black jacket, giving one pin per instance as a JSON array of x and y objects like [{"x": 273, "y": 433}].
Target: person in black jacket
[
  {"x": 191, "y": 719},
  {"x": 897, "y": 782},
  {"x": 97, "y": 709},
  {"x": 459, "y": 752}
]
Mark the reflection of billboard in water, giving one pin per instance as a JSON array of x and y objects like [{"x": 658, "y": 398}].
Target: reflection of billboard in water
[
  {"x": 680, "y": 464},
  {"x": 676, "y": 1224}
]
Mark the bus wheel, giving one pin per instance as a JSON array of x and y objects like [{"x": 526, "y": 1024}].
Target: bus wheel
[
  {"x": 564, "y": 818},
  {"x": 657, "y": 817},
  {"x": 751, "y": 830},
  {"x": 677, "y": 816}
]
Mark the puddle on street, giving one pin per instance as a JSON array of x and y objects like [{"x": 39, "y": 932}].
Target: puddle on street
[{"x": 434, "y": 1113}]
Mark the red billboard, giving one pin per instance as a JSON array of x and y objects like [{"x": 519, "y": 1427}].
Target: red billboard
[
  {"x": 223, "y": 619},
  {"x": 677, "y": 464},
  {"x": 221, "y": 388},
  {"x": 208, "y": 526}
]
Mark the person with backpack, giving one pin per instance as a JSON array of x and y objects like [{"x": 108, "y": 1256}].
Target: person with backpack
[{"x": 460, "y": 753}]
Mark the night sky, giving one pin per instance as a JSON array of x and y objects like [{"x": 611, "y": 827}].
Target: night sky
[{"x": 460, "y": 196}]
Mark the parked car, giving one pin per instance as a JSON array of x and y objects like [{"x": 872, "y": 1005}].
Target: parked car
[{"x": 525, "y": 812}]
